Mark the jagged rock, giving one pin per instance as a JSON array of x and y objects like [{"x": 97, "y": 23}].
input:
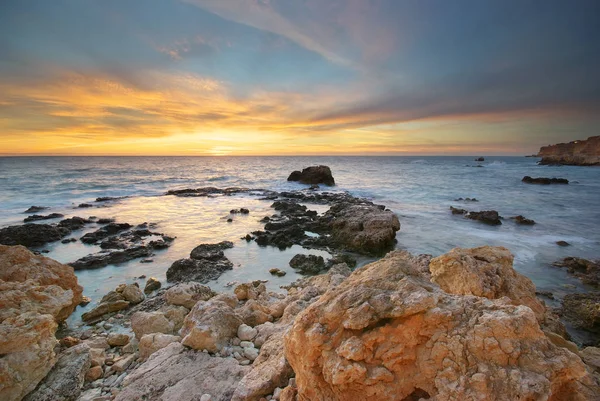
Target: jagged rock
[
  {"x": 74, "y": 223},
  {"x": 388, "y": 333},
  {"x": 187, "y": 294},
  {"x": 254, "y": 313},
  {"x": 176, "y": 373},
  {"x": 366, "y": 229},
  {"x": 103, "y": 308},
  {"x": 490, "y": 217},
  {"x": 37, "y": 217},
  {"x": 577, "y": 153},
  {"x": 544, "y": 181},
  {"x": 523, "y": 220},
  {"x": 455, "y": 210},
  {"x": 175, "y": 314},
  {"x": 133, "y": 294},
  {"x": 587, "y": 271},
  {"x": 150, "y": 343},
  {"x": 201, "y": 271},
  {"x": 210, "y": 251},
  {"x": 152, "y": 284},
  {"x": 65, "y": 380},
  {"x": 143, "y": 323},
  {"x": 313, "y": 175},
  {"x": 36, "y": 209},
  {"x": 35, "y": 293},
  {"x": 209, "y": 325},
  {"x": 32, "y": 234},
  {"x": 583, "y": 311},
  {"x": 104, "y": 232},
  {"x": 308, "y": 264},
  {"x": 101, "y": 259},
  {"x": 591, "y": 356}
]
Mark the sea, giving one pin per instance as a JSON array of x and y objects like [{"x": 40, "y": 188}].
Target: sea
[{"x": 420, "y": 190}]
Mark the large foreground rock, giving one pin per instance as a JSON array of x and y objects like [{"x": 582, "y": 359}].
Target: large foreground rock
[
  {"x": 176, "y": 373},
  {"x": 35, "y": 294},
  {"x": 388, "y": 333},
  {"x": 313, "y": 175},
  {"x": 209, "y": 326}
]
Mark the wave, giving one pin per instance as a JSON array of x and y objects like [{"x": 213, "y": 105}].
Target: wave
[
  {"x": 218, "y": 178},
  {"x": 497, "y": 164},
  {"x": 419, "y": 161}
]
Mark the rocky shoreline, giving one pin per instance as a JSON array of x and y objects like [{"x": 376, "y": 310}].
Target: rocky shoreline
[
  {"x": 577, "y": 153},
  {"x": 464, "y": 325}
]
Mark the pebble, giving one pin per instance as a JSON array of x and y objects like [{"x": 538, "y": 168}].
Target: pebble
[
  {"x": 247, "y": 344},
  {"x": 236, "y": 341},
  {"x": 246, "y": 333},
  {"x": 107, "y": 326},
  {"x": 292, "y": 382},
  {"x": 206, "y": 397},
  {"x": 277, "y": 393},
  {"x": 251, "y": 353},
  {"x": 237, "y": 356},
  {"x": 245, "y": 362}
]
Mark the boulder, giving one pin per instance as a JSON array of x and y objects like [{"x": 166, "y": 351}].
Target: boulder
[
  {"x": 308, "y": 264},
  {"x": 133, "y": 294},
  {"x": 143, "y": 323},
  {"x": 152, "y": 284},
  {"x": 388, "y": 333},
  {"x": 150, "y": 343},
  {"x": 103, "y": 308},
  {"x": 117, "y": 339},
  {"x": 251, "y": 290},
  {"x": 246, "y": 333},
  {"x": 176, "y": 373},
  {"x": 187, "y": 294},
  {"x": 313, "y": 175},
  {"x": 65, "y": 380},
  {"x": 209, "y": 326}
]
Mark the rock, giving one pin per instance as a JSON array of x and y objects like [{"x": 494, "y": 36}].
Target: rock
[
  {"x": 363, "y": 228},
  {"x": 591, "y": 356},
  {"x": 583, "y": 311},
  {"x": 143, "y": 323},
  {"x": 246, "y": 333},
  {"x": 99, "y": 343},
  {"x": 484, "y": 272},
  {"x": 152, "y": 284},
  {"x": 490, "y": 217},
  {"x": 187, "y": 294},
  {"x": 252, "y": 290},
  {"x": 586, "y": 270},
  {"x": 576, "y": 153},
  {"x": 85, "y": 205},
  {"x": 31, "y": 235},
  {"x": 250, "y": 353},
  {"x": 35, "y": 294},
  {"x": 117, "y": 339},
  {"x": 150, "y": 343},
  {"x": 133, "y": 294},
  {"x": 37, "y": 217},
  {"x": 210, "y": 251},
  {"x": 101, "y": 259},
  {"x": 480, "y": 159},
  {"x": 65, "y": 380},
  {"x": 523, "y": 221},
  {"x": 308, "y": 264},
  {"x": 94, "y": 373},
  {"x": 104, "y": 308},
  {"x": 313, "y": 175},
  {"x": 131, "y": 347},
  {"x": 201, "y": 271},
  {"x": 69, "y": 342},
  {"x": 544, "y": 181},
  {"x": 562, "y": 243},
  {"x": 175, "y": 314},
  {"x": 388, "y": 333},
  {"x": 176, "y": 373},
  {"x": 73, "y": 223},
  {"x": 123, "y": 363},
  {"x": 455, "y": 210},
  {"x": 209, "y": 325},
  {"x": 104, "y": 232},
  {"x": 35, "y": 209},
  {"x": 254, "y": 313},
  {"x": 269, "y": 371},
  {"x": 277, "y": 272}
]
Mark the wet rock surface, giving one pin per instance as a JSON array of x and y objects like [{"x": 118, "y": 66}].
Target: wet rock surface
[
  {"x": 522, "y": 220},
  {"x": 588, "y": 271},
  {"x": 37, "y": 217},
  {"x": 583, "y": 312},
  {"x": 207, "y": 262},
  {"x": 544, "y": 181},
  {"x": 308, "y": 264},
  {"x": 32, "y": 234},
  {"x": 313, "y": 175},
  {"x": 490, "y": 217}
]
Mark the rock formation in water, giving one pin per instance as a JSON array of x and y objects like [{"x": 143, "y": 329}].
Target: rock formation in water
[
  {"x": 577, "y": 153},
  {"x": 36, "y": 293},
  {"x": 313, "y": 175}
]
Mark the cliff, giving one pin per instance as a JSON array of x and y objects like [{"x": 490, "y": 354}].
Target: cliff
[{"x": 576, "y": 153}]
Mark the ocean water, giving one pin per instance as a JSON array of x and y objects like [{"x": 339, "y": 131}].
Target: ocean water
[{"x": 419, "y": 189}]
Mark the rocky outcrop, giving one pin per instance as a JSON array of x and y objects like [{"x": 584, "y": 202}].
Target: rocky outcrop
[
  {"x": 588, "y": 271},
  {"x": 313, "y": 175},
  {"x": 577, "y": 153},
  {"x": 490, "y": 217},
  {"x": 308, "y": 264},
  {"x": 35, "y": 294},
  {"x": 207, "y": 262},
  {"x": 522, "y": 220},
  {"x": 37, "y": 217},
  {"x": 177, "y": 373},
  {"x": 583, "y": 312},
  {"x": 544, "y": 181},
  {"x": 387, "y": 332},
  {"x": 367, "y": 229}
]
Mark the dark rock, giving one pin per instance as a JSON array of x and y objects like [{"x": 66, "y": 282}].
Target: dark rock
[
  {"x": 200, "y": 270},
  {"x": 230, "y": 220},
  {"x": 583, "y": 311},
  {"x": 248, "y": 237},
  {"x": 95, "y": 261},
  {"x": 480, "y": 159},
  {"x": 69, "y": 240},
  {"x": 314, "y": 187},
  {"x": 457, "y": 210},
  {"x": 32, "y": 234},
  {"x": 108, "y": 198},
  {"x": 586, "y": 270},
  {"x": 85, "y": 205},
  {"x": 277, "y": 272},
  {"x": 242, "y": 210},
  {"x": 104, "y": 232},
  {"x": 151, "y": 285},
  {"x": 37, "y": 217},
  {"x": 342, "y": 258},
  {"x": 490, "y": 217},
  {"x": 282, "y": 239},
  {"x": 36, "y": 209},
  {"x": 147, "y": 261},
  {"x": 210, "y": 251},
  {"x": 544, "y": 181},
  {"x": 159, "y": 244},
  {"x": 466, "y": 200},
  {"x": 546, "y": 294},
  {"x": 562, "y": 243},
  {"x": 313, "y": 175},
  {"x": 212, "y": 191},
  {"x": 74, "y": 223},
  {"x": 308, "y": 264},
  {"x": 523, "y": 221},
  {"x": 105, "y": 221}
]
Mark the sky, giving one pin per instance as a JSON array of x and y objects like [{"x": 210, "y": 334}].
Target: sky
[{"x": 297, "y": 77}]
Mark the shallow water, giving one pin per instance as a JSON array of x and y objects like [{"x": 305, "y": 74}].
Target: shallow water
[{"x": 419, "y": 189}]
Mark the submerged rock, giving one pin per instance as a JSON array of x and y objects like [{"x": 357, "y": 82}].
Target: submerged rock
[
  {"x": 210, "y": 251},
  {"x": 587, "y": 271},
  {"x": 388, "y": 333},
  {"x": 98, "y": 260},
  {"x": 313, "y": 175},
  {"x": 544, "y": 181},
  {"x": 308, "y": 264}
]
